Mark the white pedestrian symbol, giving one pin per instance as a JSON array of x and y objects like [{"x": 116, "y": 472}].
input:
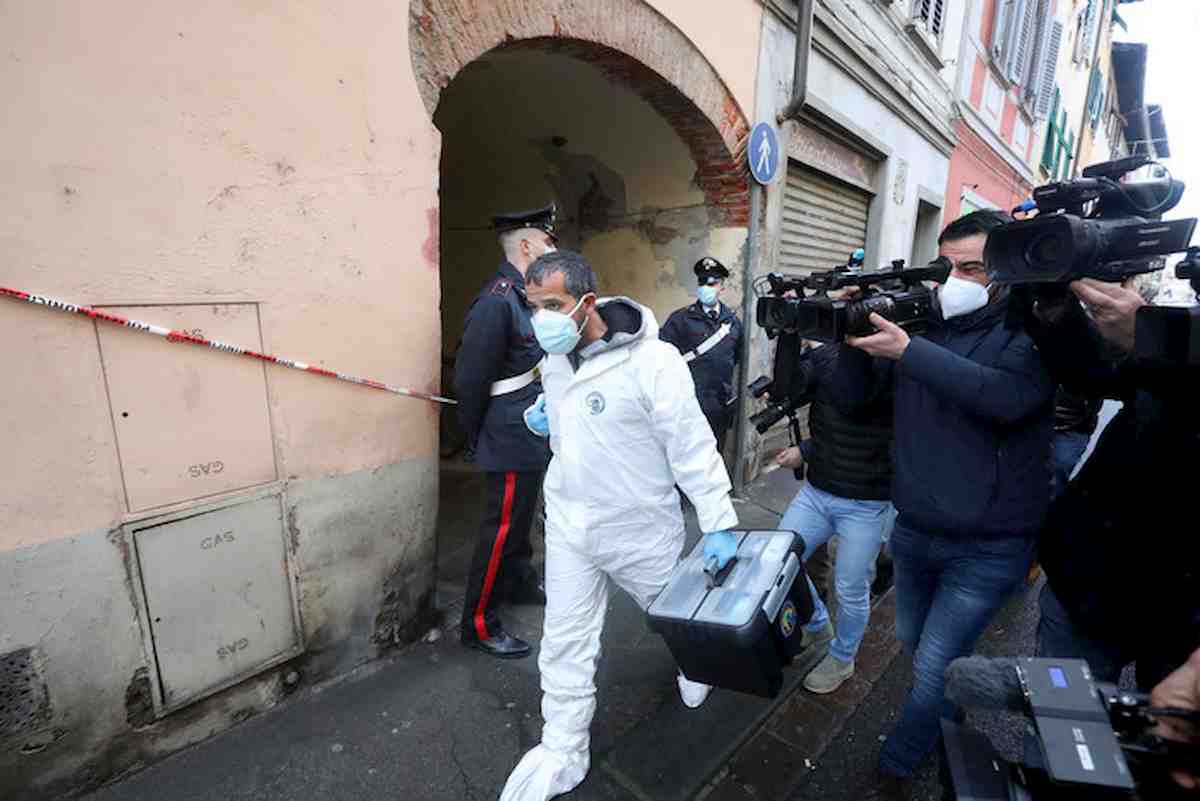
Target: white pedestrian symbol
[{"x": 764, "y": 155}]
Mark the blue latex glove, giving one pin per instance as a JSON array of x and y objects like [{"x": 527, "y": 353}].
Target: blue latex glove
[
  {"x": 536, "y": 419},
  {"x": 719, "y": 548}
]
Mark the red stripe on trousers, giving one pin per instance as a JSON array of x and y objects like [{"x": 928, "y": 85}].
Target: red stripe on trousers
[{"x": 510, "y": 486}]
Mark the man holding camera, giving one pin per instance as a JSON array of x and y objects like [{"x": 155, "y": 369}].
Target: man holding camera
[
  {"x": 1121, "y": 557},
  {"x": 972, "y": 420},
  {"x": 847, "y": 493}
]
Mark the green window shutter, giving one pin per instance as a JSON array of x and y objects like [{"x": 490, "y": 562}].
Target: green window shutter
[
  {"x": 1051, "y": 134},
  {"x": 1069, "y": 155}
]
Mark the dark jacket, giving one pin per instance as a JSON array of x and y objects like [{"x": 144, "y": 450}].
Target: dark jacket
[
  {"x": 713, "y": 373},
  {"x": 1121, "y": 546},
  {"x": 498, "y": 343},
  {"x": 973, "y": 413},
  {"x": 849, "y": 453},
  {"x": 1075, "y": 413}
]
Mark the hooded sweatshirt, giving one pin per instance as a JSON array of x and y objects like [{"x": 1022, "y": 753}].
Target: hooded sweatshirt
[{"x": 626, "y": 429}]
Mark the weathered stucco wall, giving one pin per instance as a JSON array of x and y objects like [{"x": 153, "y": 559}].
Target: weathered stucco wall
[
  {"x": 294, "y": 171},
  {"x": 275, "y": 164},
  {"x": 277, "y": 155}
]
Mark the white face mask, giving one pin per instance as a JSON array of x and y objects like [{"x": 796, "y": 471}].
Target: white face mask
[{"x": 960, "y": 296}]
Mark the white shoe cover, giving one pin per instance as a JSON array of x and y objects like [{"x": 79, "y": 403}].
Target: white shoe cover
[
  {"x": 693, "y": 693},
  {"x": 543, "y": 774}
]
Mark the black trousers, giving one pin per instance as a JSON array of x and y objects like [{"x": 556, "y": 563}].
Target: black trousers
[
  {"x": 503, "y": 553},
  {"x": 720, "y": 420}
]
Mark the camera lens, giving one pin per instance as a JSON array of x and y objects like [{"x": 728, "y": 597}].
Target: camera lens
[{"x": 1046, "y": 249}]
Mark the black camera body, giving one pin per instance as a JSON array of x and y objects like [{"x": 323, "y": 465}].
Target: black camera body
[
  {"x": 1096, "y": 740},
  {"x": 898, "y": 295},
  {"x": 791, "y": 388},
  {"x": 1091, "y": 227}
]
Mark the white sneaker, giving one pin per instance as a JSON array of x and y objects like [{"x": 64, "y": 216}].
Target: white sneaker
[{"x": 693, "y": 693}]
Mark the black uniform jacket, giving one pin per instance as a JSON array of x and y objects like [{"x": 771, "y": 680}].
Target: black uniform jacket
[
  {"x": 498, "y": 343},
  {"x": 713, "y": 372}
]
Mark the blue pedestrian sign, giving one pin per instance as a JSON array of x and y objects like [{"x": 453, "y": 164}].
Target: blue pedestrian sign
[{"x": 763, "y": 152}]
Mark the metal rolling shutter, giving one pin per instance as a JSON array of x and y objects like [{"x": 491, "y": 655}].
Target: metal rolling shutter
[{"x": 824, "y": 220}]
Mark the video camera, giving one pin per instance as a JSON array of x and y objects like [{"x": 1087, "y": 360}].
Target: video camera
[
  {"x": 791, "y": 389},
  {"x": 1092, "y": 227},
  {"x": 800, "y": 304},
  {"x": 1095, "y": 738}
]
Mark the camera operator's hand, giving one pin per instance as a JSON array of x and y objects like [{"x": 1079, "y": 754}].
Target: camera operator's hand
[
  {"x": 1113, "y": 309},
  {"x": 1180, "y": 690},
  {"x": 790, "y": 458},
  {"x": 889, "y": 343}
]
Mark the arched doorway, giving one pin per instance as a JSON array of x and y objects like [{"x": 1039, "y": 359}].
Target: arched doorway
[{"x": 607, "y": 110}]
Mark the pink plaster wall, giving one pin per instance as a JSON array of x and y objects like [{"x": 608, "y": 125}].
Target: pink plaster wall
[
  {"x": 268, "y": 152},
  {"x": 727, "y": 34},
  {"x": 194, "y": 153}
]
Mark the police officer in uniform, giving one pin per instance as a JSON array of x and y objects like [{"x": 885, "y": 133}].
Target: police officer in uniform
[
  {"x": 496, "y": 378},
  {"x": 709, "y": 335}
]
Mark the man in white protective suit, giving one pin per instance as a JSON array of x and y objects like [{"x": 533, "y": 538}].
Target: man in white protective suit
[{"x": 625, "y": 429}]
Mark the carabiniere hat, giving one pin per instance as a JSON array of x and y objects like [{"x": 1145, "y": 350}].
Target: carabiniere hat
[
  {"x": 708, "y": 271},
  {"x": 541, "y": 219}
]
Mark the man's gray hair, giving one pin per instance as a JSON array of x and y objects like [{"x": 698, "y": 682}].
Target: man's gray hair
[{"x": 578, "y": 277}]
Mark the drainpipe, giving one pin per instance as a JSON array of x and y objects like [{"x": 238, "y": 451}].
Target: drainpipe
[
  {"x": 804, "y": 20},
  {"x": 804, "y": 24},
  {"x": 742, "y": 431}
]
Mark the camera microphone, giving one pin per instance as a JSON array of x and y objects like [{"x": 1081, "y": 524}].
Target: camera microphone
[{"x": 983, "y": 683}]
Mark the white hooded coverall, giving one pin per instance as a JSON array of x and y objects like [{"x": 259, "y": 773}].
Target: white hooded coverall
[{"x": 625, "y": 429}]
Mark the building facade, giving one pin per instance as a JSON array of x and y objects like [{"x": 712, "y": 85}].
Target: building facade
[
  {"x": 868, "y": 155},
  {"x": 187, "y": 536}
]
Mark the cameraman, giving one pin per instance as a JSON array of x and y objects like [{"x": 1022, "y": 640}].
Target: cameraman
[
  {"x": 972, "y": 422},
  {"x": 1121, "y": 556},
  {"x": 848, "y": 493}
]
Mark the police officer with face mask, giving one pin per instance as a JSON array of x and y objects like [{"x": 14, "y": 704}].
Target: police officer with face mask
[
  {"x": 709, "y": 335},
  {"x": 496, "y": 378}
]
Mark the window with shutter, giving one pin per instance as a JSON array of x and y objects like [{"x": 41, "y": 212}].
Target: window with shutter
[
  {"x": 1048, "y": 73},
  {"x": 1068, "y": 152},
  {"x": 1023, "y": 26},
  {"x": 1000, "y": 25},
  {"x": 1087, "y": 30},
  {"x": 1095, "y": 100},
  {"x": 1051, "y": 137},
  {"x": 930, "y": 14},
  {"x": 1043, "y": 21}
]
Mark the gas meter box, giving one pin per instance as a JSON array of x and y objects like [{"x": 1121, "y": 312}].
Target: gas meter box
[{"x": 738, "y": 629}]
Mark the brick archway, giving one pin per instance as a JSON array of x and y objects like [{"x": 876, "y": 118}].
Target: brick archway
[{"x": 630, "y": 42}]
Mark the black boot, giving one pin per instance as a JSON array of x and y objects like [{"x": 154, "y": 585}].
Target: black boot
[{"x": 501, "y": 644}]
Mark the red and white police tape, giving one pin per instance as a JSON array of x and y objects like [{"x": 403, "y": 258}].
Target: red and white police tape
[{"x": 224, "y": 347}]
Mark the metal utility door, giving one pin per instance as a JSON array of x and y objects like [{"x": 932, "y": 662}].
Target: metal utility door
[
  {"x": 824, "y": 221},
  {"x": 218, "y": 597},
  {"x": 191, "y": 422}
]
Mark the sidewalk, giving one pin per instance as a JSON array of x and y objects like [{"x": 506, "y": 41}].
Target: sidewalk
[{"x": 437, "y": 721}]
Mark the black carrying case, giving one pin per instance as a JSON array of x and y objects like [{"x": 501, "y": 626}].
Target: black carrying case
[{"x": 739, "y": 634}]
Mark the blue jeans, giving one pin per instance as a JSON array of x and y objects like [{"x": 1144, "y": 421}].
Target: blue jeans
[
  {"x": 947, "y": 590},
  {"x": 861, "y": 526},
  {"x": 1066, "y": 449}
]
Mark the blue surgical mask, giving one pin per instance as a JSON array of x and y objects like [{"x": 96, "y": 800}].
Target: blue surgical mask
[
  {"x": 707, "y": 295},
  {"x": 556, "y": 332}
]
